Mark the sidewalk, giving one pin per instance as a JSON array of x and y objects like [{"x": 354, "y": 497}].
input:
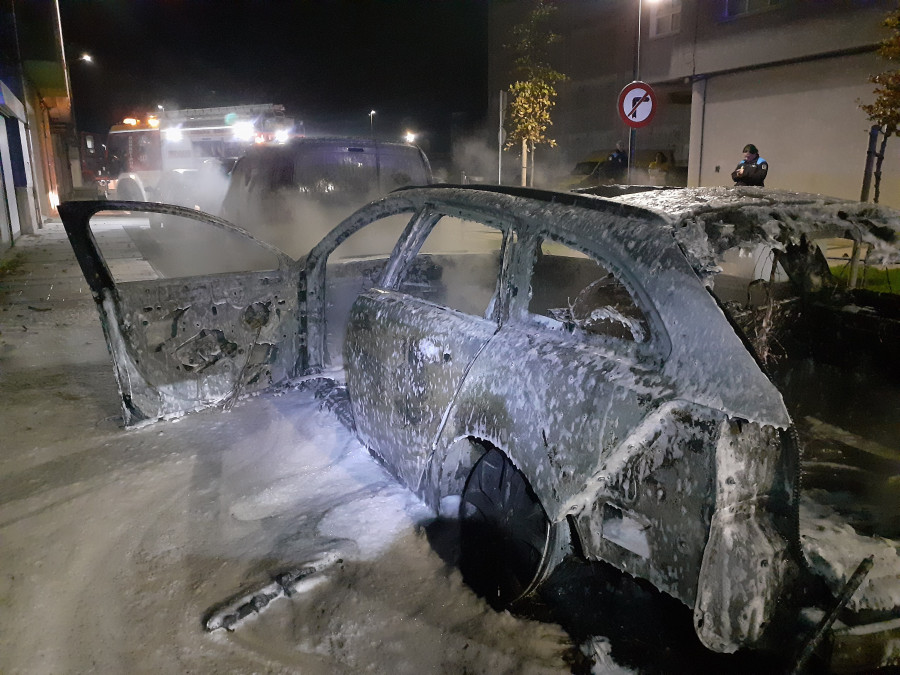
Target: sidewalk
[
  {"x": 52, "y": 351},
  {"x": 51, "y": 343}
]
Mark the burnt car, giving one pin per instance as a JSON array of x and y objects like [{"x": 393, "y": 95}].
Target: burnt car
[{"x": 551, "y": 367}]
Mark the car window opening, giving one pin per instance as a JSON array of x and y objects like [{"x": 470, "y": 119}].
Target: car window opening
[
  {"x": 354, "y": 266},
  {"x": 580, "y": 294},
  {"x": 457, "y": 266}
]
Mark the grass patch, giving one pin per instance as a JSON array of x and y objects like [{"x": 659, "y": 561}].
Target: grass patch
[
  {"x": 11, "y": 263},
  {"x": 877, "y": 279}
]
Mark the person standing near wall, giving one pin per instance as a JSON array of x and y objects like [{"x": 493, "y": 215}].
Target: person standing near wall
[
  {"x": 659, "y": 169},
  {"x": 752, "y": 169}
]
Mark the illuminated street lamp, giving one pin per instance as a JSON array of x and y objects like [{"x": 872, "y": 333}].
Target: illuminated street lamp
[
  {"x": 410, "y": 137},
  {"x": 87, "y": 58},
  {"x": 372, "y": 123}
]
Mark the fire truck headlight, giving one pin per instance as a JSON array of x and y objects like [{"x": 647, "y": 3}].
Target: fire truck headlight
[
  {"x": 282, "y": 135},
  {"x": 244, "y": 131}
]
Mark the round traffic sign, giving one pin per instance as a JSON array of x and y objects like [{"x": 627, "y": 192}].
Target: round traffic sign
[{"x": 637, "y": 104}]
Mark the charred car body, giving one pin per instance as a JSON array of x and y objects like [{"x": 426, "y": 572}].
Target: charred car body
[
  {"x": 567, "y": 379},
  {"x": 798, "y": 258}
]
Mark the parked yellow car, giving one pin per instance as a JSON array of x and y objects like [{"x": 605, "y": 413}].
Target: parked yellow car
[{"x": 652, "y": 167}]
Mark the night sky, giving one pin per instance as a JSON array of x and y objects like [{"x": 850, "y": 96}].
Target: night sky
[{"x": 329, "y": 62}]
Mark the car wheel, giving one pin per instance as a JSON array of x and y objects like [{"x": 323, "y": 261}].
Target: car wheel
[{"x": 505, "y": 534}]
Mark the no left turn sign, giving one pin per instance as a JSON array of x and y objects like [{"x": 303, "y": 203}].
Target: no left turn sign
[{"x": 637, "y": 104}]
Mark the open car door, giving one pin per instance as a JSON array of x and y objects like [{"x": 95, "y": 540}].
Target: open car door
[{"x": 202, "y": 314}]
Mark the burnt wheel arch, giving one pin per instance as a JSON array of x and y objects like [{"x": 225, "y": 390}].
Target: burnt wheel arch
[{"x": 506, "y": 538}]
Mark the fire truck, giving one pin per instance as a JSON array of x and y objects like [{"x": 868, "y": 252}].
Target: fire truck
[{"x": 162, "y": 156}]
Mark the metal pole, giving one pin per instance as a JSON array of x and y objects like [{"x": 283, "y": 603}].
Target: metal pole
[
  {"x": 854, "y": 264},
  {"x": 812, "y": 642},
  {"x": 531, "y": 172},
  {"x": 524, "y": 163},
  {"x": 632, "y": 134},
  {"x": 500, "y": 138},
  {"x": 637, "y": 56}
]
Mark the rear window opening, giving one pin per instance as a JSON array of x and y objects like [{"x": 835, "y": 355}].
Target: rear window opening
[
  {"x": 576, "y": 293},
  {"x": 751, "y": 277}
]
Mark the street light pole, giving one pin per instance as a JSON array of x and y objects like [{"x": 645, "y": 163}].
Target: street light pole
[
  {"x": 637, "y": 51},
  {"x": 372, "y": 123},
  {"x": 636, "y": 76}
]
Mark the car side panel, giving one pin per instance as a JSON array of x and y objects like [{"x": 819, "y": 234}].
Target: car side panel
[
  {"x": 648, "y": 507},
  {"x": 637, "y": 472},
  {"x": 404, "y": 360},
  {"x": 555, "y": 403}
]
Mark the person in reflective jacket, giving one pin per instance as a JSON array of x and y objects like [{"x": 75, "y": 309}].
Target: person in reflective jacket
[
  {"x": 752, "y": 169},
  {"x": 616, "y": 166}
]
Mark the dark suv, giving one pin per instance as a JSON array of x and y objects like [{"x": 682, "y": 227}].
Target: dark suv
[{"x": 292, "y": 194}]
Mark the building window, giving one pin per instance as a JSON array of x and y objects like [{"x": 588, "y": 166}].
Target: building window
[
  {"x": 741, "y": 7},
  {"x": 665, "y": 18}
]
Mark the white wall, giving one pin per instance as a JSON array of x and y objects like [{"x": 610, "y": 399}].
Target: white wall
[
  {"x": 806, "y": 121},
  {"x": 10, "y": 219},
  {"x": 708, "y": 43}
]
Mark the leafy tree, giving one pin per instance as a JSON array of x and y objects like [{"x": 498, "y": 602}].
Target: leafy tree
[
  {"x": 885, "y": 111},
  {"x": 533, "y": 93}
]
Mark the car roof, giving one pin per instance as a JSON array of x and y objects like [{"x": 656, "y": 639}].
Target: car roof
[{"x": 708, "y": 221}]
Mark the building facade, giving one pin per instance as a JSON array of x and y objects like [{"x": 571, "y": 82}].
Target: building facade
[
  {"x": 785, "y": 75},
  {"x": 38, "y": 143}
]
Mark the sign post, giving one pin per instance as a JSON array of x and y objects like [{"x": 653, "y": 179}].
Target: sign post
[
  {"x": 501, "y": 137},
  {"x": 636, "y": 106}
]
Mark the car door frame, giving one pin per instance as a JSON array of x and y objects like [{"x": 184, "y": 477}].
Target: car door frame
[
  {"x": 152, "y": 385},
  {"x": 315, "y": 357},
  {"x": 412, "y": 466}
]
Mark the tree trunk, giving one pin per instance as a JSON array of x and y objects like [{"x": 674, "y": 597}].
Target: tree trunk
[
  {"x": 531, "y": 170},
  {"x": 525, "y": 163},
  {"x": 874, "y": 131},
  {"x": 878, "y": 160}
]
